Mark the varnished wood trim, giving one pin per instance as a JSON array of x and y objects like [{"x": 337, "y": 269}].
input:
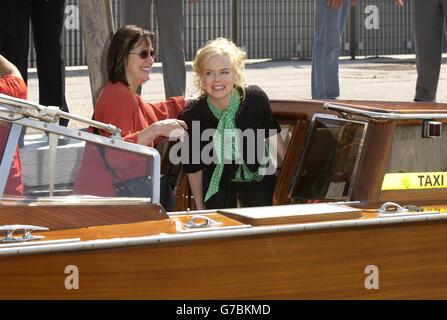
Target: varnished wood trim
[
  {"x": 294, "y": 150},
  {"x": 373, "y": 161},
  {"x": 182, "y": 194},
  {"x": 71, "y": 216},
  {"x": 297, "y": 109},
  {"x": 323, "y": 264}
]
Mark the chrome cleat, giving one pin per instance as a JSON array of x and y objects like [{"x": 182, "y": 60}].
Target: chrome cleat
[{"x": 26, "y": 229}]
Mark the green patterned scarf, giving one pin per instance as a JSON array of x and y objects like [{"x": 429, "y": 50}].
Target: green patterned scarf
[{"x": 226, "y": 146}]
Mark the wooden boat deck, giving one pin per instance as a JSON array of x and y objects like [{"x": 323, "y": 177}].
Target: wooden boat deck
[{"x": 174, "y": 225}]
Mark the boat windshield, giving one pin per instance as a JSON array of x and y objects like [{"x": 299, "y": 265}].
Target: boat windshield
[
  {"x": 57, "y": 161},
  {"x": 329, "y": 161}
]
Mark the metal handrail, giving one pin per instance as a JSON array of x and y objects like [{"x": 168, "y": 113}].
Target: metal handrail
[
  {"x": 384, "y": 115},
  {"x": 21, "y": 113},
  {"x": 49, "y": 114}
]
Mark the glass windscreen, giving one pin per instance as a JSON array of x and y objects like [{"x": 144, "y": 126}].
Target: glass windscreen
[
  {"x": 329, "y": 160},
  {"x": 75, "y": 167}
]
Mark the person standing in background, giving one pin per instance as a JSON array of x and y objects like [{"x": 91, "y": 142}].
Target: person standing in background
[
  {"x": 170, "y": 31},
  {"x": 47, "y": 18},
  {"x": 429, "y": 18},
  {"x": 330, "y": 22}
]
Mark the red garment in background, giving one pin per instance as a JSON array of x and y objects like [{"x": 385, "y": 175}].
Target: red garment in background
[
  {"x": 119, "y": 106},
  {"x": 15, "y": 87}
]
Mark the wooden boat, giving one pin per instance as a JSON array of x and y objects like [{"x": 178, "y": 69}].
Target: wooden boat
[{"x": 359, "y": 214}]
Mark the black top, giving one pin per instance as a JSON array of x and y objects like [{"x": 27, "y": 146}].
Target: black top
[{"x": 254, "y": 113}]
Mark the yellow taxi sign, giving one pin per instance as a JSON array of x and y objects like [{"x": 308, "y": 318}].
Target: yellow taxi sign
[{"x": 414, "y": 181}]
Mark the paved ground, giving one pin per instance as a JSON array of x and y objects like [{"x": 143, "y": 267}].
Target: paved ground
[{"x": 386, "y": 78}]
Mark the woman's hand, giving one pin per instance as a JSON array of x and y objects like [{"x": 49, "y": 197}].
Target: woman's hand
[
  {"x": 164, "y": 128},
  {"x": 171, "y": 128}
]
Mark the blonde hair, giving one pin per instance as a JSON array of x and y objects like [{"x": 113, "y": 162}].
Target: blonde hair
[{"x": 220, "y": 46}]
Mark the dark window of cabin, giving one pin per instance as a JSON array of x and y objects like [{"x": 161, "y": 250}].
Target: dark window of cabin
[{"x": 327, "y": 167}]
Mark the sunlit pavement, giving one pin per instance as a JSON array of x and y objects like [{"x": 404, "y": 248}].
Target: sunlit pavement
[{"x": 390, "y": 78}]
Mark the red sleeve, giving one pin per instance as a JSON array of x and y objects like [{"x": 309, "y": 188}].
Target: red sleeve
[
  {"x": 13, "y": 86},
  {"x": 169, "y": 109},
  {"x": 117, "y": 106}
]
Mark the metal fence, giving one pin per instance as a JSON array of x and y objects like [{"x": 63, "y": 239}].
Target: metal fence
[
  {"x": 275, "y": 29},
  {"x": 389, "y": 33}
]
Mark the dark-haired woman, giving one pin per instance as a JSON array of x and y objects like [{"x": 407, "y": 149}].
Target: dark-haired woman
[{"x": 129, "y": 62}]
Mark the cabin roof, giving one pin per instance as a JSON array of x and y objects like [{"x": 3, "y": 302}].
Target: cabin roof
[
  {"x": 307, "y": 108},
  {"x": 396, "y": 107}
]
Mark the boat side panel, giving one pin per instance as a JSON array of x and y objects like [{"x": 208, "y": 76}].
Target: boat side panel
[{"x": 324, "y": 264}]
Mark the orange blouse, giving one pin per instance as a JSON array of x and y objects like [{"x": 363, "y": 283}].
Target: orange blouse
[{"x": 121, "y": 107}]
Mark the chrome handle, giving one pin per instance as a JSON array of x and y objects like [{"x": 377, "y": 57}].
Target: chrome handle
[
  {"x": 199, "y": 221},
  {"x": 392, "y": 207}
]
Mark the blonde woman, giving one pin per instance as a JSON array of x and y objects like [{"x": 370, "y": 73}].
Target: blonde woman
[{"x": 234, "y": 122}]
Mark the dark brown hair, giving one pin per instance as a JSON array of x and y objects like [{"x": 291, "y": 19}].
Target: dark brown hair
[{"x": 123, "y": 41}]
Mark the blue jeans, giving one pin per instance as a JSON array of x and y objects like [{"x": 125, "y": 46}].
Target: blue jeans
[{"x": 329, "y": 26}]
